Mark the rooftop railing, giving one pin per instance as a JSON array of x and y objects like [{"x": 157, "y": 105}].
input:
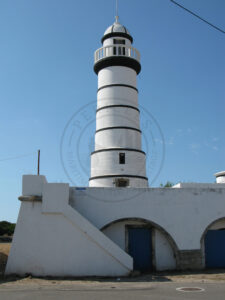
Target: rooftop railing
[{"x": 116, "y": 50}]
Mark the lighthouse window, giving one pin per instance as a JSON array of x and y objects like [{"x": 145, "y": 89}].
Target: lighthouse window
[
  {"x": 122, "y": 182},
  {"x": 122, "y": 158},
  {"x": 121, "y": 50},
  {"x": 116, "y": 42}
]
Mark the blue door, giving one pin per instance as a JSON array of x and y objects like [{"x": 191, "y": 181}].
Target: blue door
[
  {"x": 140, "y": 248},
  {"x": 215, "y": 249}
]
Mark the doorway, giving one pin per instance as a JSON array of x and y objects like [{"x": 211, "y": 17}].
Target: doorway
[
  {"x": 215, "y": 249},
  {"x": 140, "y": 247}
]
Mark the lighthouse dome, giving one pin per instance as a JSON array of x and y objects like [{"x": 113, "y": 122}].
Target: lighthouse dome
[{"x": 117, "y": 29}]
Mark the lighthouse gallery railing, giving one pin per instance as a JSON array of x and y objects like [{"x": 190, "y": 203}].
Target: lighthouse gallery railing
[{"x": 116, "y": 50}]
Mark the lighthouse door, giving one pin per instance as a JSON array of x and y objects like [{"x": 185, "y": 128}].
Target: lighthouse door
[{"x": 140, "y": 247}]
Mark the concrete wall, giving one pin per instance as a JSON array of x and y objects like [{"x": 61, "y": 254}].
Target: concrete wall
[
  {"x": 117, "y": 232},
  {"x": 117, "y": 96},
  {"x": 163, "y": 254},
  {"x": 118, "y": 138},
  {"x": 52, "y": 238},
  {"x": 184, "y": 213},
  {"x": 102, "y": 182},
  {"x": 108, "y": 162},
  {"x": 115, "y": 75},
  {"x": 117, "y": 116}
]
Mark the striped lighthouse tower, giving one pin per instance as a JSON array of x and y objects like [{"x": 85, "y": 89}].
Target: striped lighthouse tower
[{"x": 118, "y": 160}]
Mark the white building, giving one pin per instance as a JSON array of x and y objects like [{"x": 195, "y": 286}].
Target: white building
[{"x": 117, "y": 224}]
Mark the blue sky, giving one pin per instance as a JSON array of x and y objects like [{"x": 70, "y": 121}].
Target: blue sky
[{"x": 46, "y": 77}]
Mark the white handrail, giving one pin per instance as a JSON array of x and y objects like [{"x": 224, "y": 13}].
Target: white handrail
[{"x": 116, "y": 50}]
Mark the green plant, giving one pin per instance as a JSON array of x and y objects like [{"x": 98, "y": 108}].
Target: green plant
[{"x": 7, "y": 228}]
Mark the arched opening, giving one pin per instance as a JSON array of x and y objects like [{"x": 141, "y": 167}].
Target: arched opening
[
  {"x": 213, "y": 244},
  {"x": 151, "y": 247}
]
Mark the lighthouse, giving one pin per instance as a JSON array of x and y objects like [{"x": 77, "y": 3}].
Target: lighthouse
[{"x": 118, "y": 159}]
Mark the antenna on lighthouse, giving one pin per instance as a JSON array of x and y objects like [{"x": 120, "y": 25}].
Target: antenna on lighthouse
[{"x": 117, "y": 17}]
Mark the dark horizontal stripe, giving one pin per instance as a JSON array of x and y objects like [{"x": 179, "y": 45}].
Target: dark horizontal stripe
[
  {"x": 124, "y": 61},
  {"x": 112, "y": 106},
  {"x": 111, "y": 85},
  {"x": 118, "y": 149},
  {"x": 118, "y": 127},
  {"x": 109, "y": 176},
  {"x": 117, "y": 34},
  {"x": 222, "y": 175}
]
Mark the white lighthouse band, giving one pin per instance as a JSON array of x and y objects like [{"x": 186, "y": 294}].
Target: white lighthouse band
[{"x": 118, "y": 159}]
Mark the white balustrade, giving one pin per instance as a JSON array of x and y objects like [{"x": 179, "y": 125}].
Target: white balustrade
[{"x": 116, "y": 50}]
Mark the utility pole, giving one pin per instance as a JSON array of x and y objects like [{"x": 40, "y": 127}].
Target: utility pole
[{"x": 38, "y": 166}]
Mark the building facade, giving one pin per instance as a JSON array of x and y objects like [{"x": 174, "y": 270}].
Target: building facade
[{"x": 118, "y": 224}]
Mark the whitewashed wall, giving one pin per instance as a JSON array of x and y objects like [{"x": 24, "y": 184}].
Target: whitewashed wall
[
  {"x": 108, "y": 162},
  {"x": 103, "y": 182},
  {"x": 117, "y": 116},
  {"x": 52, "y": 238},
  {"x": 118, "y": 138},
  {"x": 164, "y": 254},
  {"x": 115, "y": 75},
  {"x": 117, "y": 232},
  {"x": 117, "y": 95},
  {"x": 184, "y": 213}
]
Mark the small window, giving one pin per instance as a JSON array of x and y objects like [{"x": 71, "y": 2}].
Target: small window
[
  {"x": 122, "y": 158},
  {"x": 116, "y": 42},
  {"x": 121, "y": 182},
  {"x": 121, "y": 50}
]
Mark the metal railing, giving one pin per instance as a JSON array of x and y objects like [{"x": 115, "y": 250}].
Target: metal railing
[{"x": 116, "y": 50}]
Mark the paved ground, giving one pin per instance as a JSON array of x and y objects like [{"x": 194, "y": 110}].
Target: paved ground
[
  {"x": 161, "y": 286},
  {"x": 111, "y": 290},
  {"x": 158, "y": 286}
]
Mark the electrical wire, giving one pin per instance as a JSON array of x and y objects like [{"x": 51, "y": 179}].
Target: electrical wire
[
  {"x": 210, "y": 24},
  {"x": 17, "y": 157}
]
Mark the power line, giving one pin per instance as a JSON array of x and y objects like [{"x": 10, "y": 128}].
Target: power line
[
  {"x": 17, "y": 157},
  {"x": 210, "y": 24}
]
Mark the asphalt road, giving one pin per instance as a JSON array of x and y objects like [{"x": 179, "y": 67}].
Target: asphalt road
[{"x": 124, "y": 291}]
